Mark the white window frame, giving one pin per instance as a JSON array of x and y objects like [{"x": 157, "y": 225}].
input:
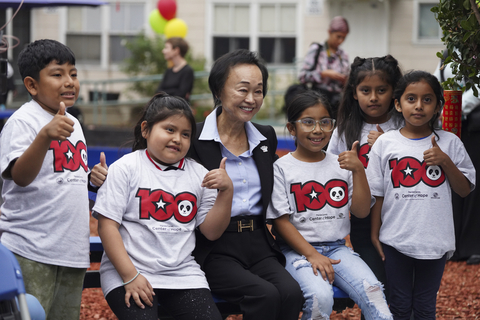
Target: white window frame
[
  {"x": 416, "y": 17},
  {"x": 254, "y": 33},
  {"x": 105, "y": 33}
]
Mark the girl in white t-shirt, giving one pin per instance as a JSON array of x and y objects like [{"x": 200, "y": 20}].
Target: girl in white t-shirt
[
  {"x": 364, "y": 114},
  {"x": 411, "y": 173},
  {"x": 312, "y": 196},
  {"x": 148, "y": 209}
]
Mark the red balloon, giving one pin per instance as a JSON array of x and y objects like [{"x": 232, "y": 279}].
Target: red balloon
[{"x": 167, "y": 8}]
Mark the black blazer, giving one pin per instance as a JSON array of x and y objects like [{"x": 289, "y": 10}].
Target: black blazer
[{"x": 209, "y": 154}]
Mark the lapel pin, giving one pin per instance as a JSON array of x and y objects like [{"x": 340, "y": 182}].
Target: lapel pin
[{"x": 264, "y": 148}]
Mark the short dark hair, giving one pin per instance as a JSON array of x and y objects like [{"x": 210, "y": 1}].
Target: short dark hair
[
  {"x": 303, "y": 101},
  {"x": 179, "y": 43},
  {"x": 222, "y": 66},
  {"x": 159, "y": 108},
  {"x": 38, "y": 54}
]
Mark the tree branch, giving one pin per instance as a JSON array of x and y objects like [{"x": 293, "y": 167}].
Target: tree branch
[{"x": 474, "y": 6}]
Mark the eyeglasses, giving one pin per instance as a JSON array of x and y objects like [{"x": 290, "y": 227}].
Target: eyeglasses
[{"x": 309, "y": 124}]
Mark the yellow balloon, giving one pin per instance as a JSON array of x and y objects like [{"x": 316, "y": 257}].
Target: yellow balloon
[
  {"x": 157, "y": 22},
  {"x": 176, "y": 28}
]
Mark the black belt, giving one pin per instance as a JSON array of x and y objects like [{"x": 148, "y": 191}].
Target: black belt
[{"x": 245, "y": 223}]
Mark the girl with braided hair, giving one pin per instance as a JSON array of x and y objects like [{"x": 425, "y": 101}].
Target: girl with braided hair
[{"x": 364, "y": 114}]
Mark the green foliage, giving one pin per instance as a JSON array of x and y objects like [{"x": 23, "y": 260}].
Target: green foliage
[
  {"x": 147, "y": 59},
  {"x": 460, "y": 22}
]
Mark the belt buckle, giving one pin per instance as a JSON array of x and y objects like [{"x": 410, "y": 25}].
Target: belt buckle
[{"x": 242, "y": 226}]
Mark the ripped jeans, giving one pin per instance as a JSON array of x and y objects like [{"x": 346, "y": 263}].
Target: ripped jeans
[{"x": 352, "y": 275}]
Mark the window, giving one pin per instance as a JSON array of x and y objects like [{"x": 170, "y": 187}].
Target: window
[
  {"x": 268, "y": 27},
  {"x": 85, "y": 36},
  {"x": 277, "y": 40},
  {"x": 126, "y": 20},
  {"x": 231, "y": 29},
  {"x": 426, "y": 28}
]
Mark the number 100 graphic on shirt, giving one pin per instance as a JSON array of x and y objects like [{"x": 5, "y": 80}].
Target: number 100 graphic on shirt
[
  {"x": 314, "y": 196},
  {"x": 409, "y": 171},
  {"x": 69, "y": 157},
  {"x": 161, "y": 205}
]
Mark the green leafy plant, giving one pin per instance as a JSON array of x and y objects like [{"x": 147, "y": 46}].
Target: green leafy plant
[
  {"x": 147, "y": 59},
  {"x": 460, "y": 22}
]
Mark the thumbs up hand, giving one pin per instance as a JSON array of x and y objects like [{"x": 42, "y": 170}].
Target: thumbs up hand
[
  {"x": 60, "y": 127},
  {"x": 374, "y": 134},
  {"x": 435, "y": 156},
  {"x": 348, "y": 160},
  {"x": 99, "y": 171},
  {"x": 218, "y": 178}
]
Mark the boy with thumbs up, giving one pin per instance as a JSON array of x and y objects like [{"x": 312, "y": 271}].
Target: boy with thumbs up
[{"x": 43, "y": 161}]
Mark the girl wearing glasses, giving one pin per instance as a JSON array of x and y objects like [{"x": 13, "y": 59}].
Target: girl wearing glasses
[{"x": 312, "y": 196}]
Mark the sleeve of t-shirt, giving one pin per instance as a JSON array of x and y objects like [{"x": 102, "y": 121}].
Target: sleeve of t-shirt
[
  {"x": 16, "y": 137},
  {"x": 336, "y": 144},
  {"x": 279, "y": 204},
  {"x": 375, "y": 171},
  {"x": 207, "y": 196},
  {"x": 462, "y": 161},
  {"x": 113, "y": 195}
]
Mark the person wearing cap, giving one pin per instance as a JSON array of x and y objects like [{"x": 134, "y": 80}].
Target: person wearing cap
[{"x": 326, "y": 66}]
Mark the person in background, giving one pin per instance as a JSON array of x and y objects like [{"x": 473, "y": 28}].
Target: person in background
[
  {"x": 326, "y": 68},
  {"x": 9, "y": 86},
  {"x": 465, "y": 210},
  {"x": 245, "y": 265},
  {"x": 177, "y": 80}
]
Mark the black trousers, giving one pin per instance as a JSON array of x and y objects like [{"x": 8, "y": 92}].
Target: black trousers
[
  {"x": 243, "y": 268},
  {"x": 413, "y": 284},
  {"x": 185, "y": 304}
]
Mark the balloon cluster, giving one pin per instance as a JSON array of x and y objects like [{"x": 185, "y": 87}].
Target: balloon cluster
[{"x": 163, "y": 21}]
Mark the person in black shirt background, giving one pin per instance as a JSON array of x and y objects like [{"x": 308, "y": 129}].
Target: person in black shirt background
[{"x": 177, "y": 80}]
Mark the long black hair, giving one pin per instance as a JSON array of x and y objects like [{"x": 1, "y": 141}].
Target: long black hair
[
  {"x": 159, "y": 108},
  {"x": 417, "y": 76},
  {"x": 350, "y": 116}
]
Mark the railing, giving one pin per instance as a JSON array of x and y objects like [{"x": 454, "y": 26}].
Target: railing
[{"x": 280, "y": 77}]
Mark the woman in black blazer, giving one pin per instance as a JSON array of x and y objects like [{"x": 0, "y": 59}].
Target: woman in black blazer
[{"x": 245, "y": 265}]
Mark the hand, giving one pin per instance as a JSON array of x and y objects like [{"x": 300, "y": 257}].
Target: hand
[
  {"x": 334, "y": 75},
  {"x": 140, "y": 290},
  {"x": 378, "y": 245},
  {"x": 218, "y": 178},
  {"x": 435, "y": 156},
  {"x": 61, "y": 127},
  {"x": 324, "y": 265},
  {"x": 373, "y": 135},
  {"x": 349, "y": 159},
  {"x": 99, "y": 171}
]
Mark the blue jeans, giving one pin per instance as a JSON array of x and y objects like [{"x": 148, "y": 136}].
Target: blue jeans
[{"x": 352, "y": 275}]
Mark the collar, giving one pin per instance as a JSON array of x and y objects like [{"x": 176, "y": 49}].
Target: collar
[
  {"x": 210, "y": 130},
  {"x": 179, "y": 165}
]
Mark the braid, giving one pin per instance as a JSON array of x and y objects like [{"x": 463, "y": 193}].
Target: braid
[{"x": 350, "y": 115}]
